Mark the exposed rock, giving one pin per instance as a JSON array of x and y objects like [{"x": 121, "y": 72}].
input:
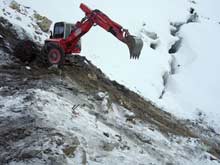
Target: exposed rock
[
  {"x": 43, "y": 22},
  {"x": 108, "y": 146},
  {"x": 70, "y": 149},
  {"x": 16, "y": 6}
]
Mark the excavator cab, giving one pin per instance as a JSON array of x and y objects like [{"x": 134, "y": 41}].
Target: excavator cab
[{"x": 62, "y": 30}]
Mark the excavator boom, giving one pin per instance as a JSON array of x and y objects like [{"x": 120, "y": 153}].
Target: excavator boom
[
  {"x": 134, "y": 43},
  {"x": 96, "y": 17}
]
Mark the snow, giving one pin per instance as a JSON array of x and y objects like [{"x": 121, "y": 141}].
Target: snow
[
  {"x": 4, "y": 58},
  {"x": 28, "y": 67},
  {"x": 22, "y": 21},
  {"x": 105, "y": 135},
  {"x": 195, "y": 85},
  {"x": 120, "y": 147},
  {"x": 10, "y": 102},
  {"x": 208, "y": 10},
  {"x": 194, "y": 88}
]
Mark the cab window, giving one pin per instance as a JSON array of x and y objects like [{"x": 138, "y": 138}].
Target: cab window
[{"x": 58, "y": 31}]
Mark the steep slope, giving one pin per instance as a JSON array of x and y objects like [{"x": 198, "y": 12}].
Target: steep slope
[
  {"x": 152, "y": 76},
  {"x": 78, "y": 116}
]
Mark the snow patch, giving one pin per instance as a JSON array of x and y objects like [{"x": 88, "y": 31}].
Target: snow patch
[{"x": 23, "y": 20}]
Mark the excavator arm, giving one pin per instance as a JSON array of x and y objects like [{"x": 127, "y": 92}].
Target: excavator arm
[
  {"x": 66, "y": 40},
  {"x": 96, "y": 17}
]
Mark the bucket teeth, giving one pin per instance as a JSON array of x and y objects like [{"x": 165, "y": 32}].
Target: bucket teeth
[{"x": 135, "y": 46}]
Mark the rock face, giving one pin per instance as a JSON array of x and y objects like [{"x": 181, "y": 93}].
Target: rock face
[
  {"x": 15, "y": 6},
  {"x": 75, "y": 115},
  {"x": 43, "y": 22},
  {"x": 23, "y": 18}
]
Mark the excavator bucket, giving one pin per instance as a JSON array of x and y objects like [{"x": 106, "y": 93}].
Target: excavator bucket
[{"x": 135, "y": 46}]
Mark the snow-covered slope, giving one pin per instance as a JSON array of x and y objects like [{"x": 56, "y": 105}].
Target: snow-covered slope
[
  {"x": 50, "y": 131},
  {"x": 194, "y": 88},
  {"x": 78, "y": 116},
  {"x": 23, "y": 19}
]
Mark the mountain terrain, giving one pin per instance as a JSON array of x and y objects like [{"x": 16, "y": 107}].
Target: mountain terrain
[{"x": 78, "y": 115}]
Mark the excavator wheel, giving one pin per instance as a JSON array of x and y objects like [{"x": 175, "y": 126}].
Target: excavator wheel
[
  {"x": 26, "y": 51},
  {"x": 52, "y": 54}
]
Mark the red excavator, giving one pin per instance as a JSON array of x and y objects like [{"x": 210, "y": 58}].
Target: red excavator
[{"x": 65, "y": 38}]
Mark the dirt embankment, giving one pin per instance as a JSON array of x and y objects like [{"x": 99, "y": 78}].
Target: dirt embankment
[{"x": 91, "y": 80}]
